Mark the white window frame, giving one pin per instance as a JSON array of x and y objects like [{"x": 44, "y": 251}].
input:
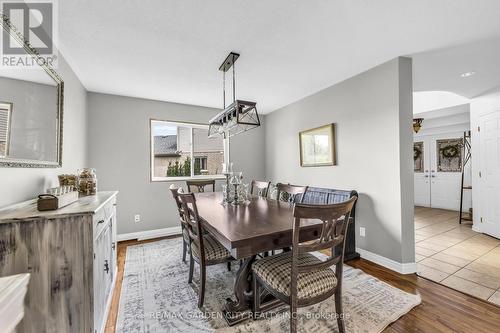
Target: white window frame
[{"x": 191, "y": 126}]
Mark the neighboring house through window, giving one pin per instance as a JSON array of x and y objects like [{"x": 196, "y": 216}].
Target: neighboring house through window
[{"x": 175, "y": 145}]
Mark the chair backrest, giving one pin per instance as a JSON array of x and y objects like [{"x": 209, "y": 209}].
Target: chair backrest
[
  {"x": 335, "y": 219},
  {"x": 200, "y": 185},
  {"x": 290, "y": 193},
  {"x": 191, "y": 220},
  {"x": 261, "y": 188},
  {"x": 175, "y": 194}
]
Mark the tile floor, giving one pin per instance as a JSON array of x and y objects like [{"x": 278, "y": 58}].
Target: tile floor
[{"x": 455, "y": 256}]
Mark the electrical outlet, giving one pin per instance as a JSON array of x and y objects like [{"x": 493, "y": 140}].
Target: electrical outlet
[
  {"x": 137, "y": 218},
  {"x": 362, "y": 231}
]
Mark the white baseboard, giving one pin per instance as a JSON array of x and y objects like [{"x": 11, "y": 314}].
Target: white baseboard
[
  {"x": 407, "y": 268},
  {"x": 148, "y": 234}
]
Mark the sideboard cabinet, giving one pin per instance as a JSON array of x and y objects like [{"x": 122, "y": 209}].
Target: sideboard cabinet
[{"x": 70, "y": 254}]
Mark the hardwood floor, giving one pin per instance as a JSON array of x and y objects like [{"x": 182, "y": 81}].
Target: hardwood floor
[
  {"x": 121, "y": 256},
  {"x": 442, "y": 309}
]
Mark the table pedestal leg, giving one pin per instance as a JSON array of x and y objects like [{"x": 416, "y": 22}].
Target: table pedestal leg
[{"x": 238, "y": 310}]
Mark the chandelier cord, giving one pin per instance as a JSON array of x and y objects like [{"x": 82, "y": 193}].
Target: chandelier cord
[
  {"x": 234, "y": 81},
  {"x": 224, "y": 89}
]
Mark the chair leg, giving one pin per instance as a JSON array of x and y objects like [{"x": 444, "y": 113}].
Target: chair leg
[
  {"x": 184, "y": 250},
  {"x": 338, "y": 311},
  {"x": 201, "y": 296},
  {"x": 256, "y": 297},
  {"x": 229, "y": 266},
  {"x": 293, "y": 319},
  {"x": 191, "y": 268}
]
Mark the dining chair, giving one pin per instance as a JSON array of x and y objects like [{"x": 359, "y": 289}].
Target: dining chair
[
  {"x": 300, "y": 278},
  {"x": 185, "y": 236},
  {"x": 200, "y": 185},
  {"x": 260, "y": 188},
  {"x": 290, "y": 193},
  {"x": 204, "y": 248}
]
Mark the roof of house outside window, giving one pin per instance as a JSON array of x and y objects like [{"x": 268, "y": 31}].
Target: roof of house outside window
[{"x": 166, "y": 145}]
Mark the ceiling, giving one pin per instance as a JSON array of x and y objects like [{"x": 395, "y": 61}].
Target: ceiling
[
  {"x": 171, "y": 50},
  {"x": 440, "y": 70}
]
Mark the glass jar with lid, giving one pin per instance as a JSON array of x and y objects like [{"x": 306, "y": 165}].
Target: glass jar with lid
[{"x": 87, "y": 181}]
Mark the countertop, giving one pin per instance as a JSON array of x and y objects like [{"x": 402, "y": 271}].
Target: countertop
[{"x": 28, "y": 210}]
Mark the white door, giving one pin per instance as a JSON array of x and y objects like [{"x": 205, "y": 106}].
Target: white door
[
  {"x": 445, "y": 185},
  {"x": 489, "y": 182},
  {"x": 435, "y": 187},
  {"x": 421, "y": 176}
]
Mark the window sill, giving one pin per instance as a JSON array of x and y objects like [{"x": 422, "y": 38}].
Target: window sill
[{"x": 182, "y": 179}]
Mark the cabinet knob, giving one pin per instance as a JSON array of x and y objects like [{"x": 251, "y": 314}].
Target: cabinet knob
[{"x": 106, "y": 266}]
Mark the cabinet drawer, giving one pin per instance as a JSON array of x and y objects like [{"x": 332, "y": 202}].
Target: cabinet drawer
[{"x": 102, "y": 216}]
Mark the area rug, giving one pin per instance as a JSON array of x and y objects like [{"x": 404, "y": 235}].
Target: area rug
[{"x": 155, "y": 297}]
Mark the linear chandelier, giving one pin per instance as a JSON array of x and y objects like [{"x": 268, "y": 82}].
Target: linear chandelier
[{"x": 240, "y": 116}]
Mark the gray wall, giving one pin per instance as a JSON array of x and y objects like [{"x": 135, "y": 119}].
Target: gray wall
[
  {"x": 19, "y": 184},
  {"x": 119, "y": 149},
  {"x": 372, "y": 112}
]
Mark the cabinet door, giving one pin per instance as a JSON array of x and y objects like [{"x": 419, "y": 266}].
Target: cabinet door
[
  {"x": 102, "y": 275},
  {"x": 107, "y": 268},
  {"x": 98, "y": 283},
  {"x": 114, "y": 245}
]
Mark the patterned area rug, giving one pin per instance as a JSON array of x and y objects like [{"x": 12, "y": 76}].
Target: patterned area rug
[{"x": 156, "y": 297}]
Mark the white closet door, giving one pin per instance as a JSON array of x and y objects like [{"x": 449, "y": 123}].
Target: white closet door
[{"x": 489, "y": 182}]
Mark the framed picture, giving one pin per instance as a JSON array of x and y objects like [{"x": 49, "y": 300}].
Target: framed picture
[
  {"x": 449, "y": 155},
  {"x": 418, "y": 156},
  {"x": 317, "y": 146}
]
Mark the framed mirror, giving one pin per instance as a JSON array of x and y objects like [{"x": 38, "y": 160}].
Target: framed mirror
[{"x": 31, "y": 109}]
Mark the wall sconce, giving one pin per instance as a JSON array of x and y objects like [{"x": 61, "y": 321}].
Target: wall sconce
[{"x": 417, "y": 124}]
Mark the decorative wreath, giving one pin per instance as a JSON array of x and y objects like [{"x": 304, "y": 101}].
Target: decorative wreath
[
  {"x": 450, "y": 151},
  {"x": 416, "y": 153}
]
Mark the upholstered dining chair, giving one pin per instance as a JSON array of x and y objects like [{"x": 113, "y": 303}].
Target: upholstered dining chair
[
  {"x": 204, "y": 248},
  {"x": 299, "y": 278},
  {"x": 185, "y": 237},
  {"x": 200, "y": 185},
  {"x": 290, "y": 193},
  {"x": 260, "y": 188}
]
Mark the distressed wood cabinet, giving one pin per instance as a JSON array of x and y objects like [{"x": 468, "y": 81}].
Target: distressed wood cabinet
[{"x": 70, "y": 254}]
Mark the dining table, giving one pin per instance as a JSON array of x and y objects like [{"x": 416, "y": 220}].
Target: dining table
[{"x": 248, "y": 231}]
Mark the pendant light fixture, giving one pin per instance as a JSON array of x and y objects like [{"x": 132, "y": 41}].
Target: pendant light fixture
[
  {"x": 417, "y": 124},
  {"x": 240, "y": 116}
]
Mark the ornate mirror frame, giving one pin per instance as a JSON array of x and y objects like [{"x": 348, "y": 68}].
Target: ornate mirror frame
[{"x": 22, "y": 163}]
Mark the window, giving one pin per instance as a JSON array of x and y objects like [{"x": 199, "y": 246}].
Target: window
[
  {"x": 174, "y": 145},
  {"x": 200, "y": 165}
]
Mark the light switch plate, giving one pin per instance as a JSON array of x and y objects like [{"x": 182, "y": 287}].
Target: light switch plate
[{"x": 362, "y": 231}]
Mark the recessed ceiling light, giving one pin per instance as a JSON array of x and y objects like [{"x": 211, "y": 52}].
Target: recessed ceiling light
[{"x": 467, "y": 74}]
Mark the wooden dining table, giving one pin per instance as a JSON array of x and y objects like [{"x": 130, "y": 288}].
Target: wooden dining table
[{"x": 247, "y": 231}]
